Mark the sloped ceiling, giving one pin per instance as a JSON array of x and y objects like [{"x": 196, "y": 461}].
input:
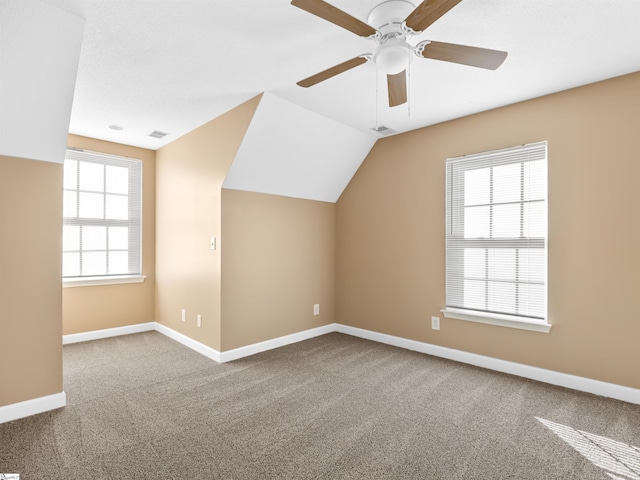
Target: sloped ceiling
[
  {"x": 173, "y": 65},
  {"x": 39, "y": 54},
  {"x": 294, "y": 152}
]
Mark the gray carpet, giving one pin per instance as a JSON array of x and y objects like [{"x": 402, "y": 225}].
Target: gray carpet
[{"x": 335, "y": 407}]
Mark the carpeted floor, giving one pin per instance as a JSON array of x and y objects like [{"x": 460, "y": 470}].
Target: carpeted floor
[{"x": 335, "y": 407}]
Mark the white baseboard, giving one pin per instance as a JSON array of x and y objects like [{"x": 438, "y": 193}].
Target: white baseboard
[
  {"x": 248, "y": 350},
  {"x": 260, "y": 347},
  {"x": 597, "y": 387},
  {"x": 189, "y": 342},
  {"x": 143, "y": 327},
  {"x": 107, "y": 332},
  {"x": 34, "y": 406},
  {"x": 574, "y": 382}
]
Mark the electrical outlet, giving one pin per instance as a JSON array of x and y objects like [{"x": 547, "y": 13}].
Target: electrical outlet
[
  {"x": 199, "y": 320},
  {"x": 184, "y": 315},
  {"x": 435, "y": 323},
  {"x": 316, "y": 309}
]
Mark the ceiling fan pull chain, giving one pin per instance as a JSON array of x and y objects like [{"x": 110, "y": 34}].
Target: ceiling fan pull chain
[
  {"x": 377, "y": 95},
  {"x": 409, "y": 85}
]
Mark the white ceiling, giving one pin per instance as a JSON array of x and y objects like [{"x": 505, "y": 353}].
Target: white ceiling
[
  {"x": 293, "y": 152},
  {"x": 173, "y": 65},
  {"x": 38, "y": 64}
]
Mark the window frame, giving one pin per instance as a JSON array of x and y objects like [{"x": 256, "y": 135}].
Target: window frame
[
  {"x": 133, "y": 222},
  {"x": 456, "y": 242}
]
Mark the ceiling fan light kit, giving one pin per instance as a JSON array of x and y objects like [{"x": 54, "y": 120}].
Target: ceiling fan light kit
[
  {"x": 393, "y": 56},
  {"x": 391, "y": 25}
]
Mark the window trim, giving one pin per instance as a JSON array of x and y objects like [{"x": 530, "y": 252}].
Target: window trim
[
  {"x": 499, "y": 319},
  {"x": 105, "y": 280}
]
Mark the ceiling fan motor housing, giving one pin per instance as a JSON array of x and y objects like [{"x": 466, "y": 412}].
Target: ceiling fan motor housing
[
  {"x": 387, "y": 17},
  {"x": 394, "y": 53}
]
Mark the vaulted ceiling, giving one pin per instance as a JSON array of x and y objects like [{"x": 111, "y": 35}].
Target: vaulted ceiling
[{"x": 172, "y": 65}]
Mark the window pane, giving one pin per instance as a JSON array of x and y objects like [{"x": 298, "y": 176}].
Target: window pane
[
  {"x": 91, "y": 205},
  {"x": 70, "y": 238},
  {"x": 118, "y": 263},
  {"x": 531, "y": 300},
  {"x": 534, "y": 220},
  {"x": 70, "y": 264},
  {"x": 118, "y": 238},
  {"x": 70, "y": 174},
  {"x": 117, "y": 179},
  {"x": 506, "y": 221},
  {"x": 474, "y": 263},
  {"x": 506, "y": 183},
  {"x": 502, "y": 263},
  {"x": 94, "y": 238},
  {"x": 501, "y": 297},
  {"x": 531, "y": 266},
  {"x": 91, "y": 176},
  {"x": 474, "y": 294},
  {"x": 70, "y": 204},
  {"x": 476, "y": 222},
  {"x": 477, "y": 186},
  {"x": 94, "y": 263},
  {"x": 535, "y": 180},
  {"x": 117, "y": 207}
]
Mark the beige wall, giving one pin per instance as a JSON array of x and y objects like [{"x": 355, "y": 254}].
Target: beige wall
[
  {"x": 387, "y": 259},
  {"x": 30, "y": 283},
  {"x": 278, "y": 262},
  {"x": 190, "y": 173},
  {"x": 390, "y": 224},
  {"x": 85, "y": 309}
]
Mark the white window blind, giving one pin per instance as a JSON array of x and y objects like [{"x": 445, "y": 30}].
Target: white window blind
[
  {"x": 102, "y": 215},
  {"x": 496, "y": 233}
]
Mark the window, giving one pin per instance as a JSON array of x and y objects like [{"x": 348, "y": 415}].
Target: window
[
  {"x": 496, "y": 237},
  {"x": 102, "y": 217}
]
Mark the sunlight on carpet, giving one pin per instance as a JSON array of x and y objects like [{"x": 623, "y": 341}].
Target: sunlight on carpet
[{"x": 621, "y": 461}]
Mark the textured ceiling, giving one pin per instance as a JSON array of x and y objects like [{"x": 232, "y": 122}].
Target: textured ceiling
[{"x": 172, "y": 65}]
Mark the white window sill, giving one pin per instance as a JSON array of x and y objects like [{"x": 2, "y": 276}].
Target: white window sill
[
  {"x": 497, "y": 319},
  {"x": 94, "y": 281}
]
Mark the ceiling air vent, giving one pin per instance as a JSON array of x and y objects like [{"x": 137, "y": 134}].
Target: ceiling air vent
[
  {"x": 158, "y": 134},
  {"x": 382, "y": 130}
]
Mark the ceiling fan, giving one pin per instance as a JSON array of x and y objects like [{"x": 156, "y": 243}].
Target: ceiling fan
[{"x": 391, "y": 25}]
